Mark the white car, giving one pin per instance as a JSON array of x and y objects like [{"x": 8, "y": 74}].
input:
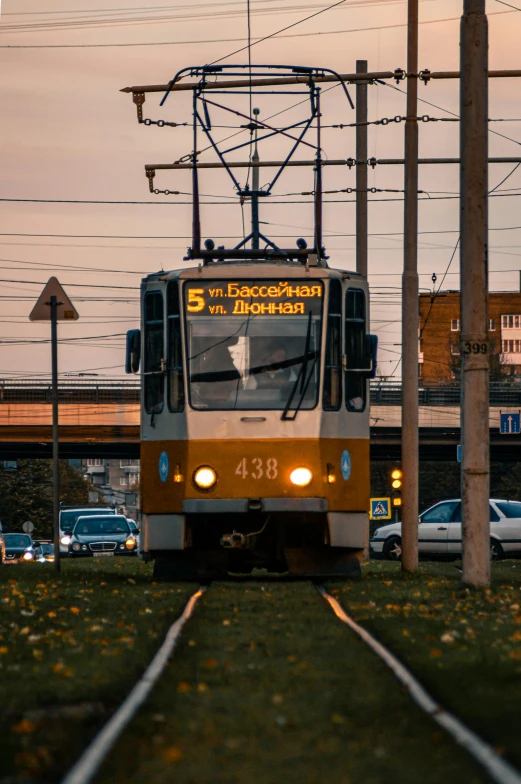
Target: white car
[{"x": 439, "y": 532}]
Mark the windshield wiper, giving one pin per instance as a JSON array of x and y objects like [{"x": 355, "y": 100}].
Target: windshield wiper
[{"x": 303, "y": 377}]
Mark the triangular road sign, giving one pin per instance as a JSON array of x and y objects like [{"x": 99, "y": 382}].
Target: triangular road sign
[{"x": 65, "y": 310}]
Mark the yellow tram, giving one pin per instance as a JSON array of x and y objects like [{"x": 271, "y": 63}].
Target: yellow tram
[
  {"x": 255, "y": 370},
  {"x": 255, "y": 419}
]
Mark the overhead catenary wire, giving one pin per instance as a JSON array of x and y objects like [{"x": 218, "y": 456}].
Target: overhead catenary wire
[{"x": 235, "y": 40}]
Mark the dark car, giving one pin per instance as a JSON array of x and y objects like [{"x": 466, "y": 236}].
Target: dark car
[
  {"x": 102, "y": 535},
  {"x": 18, "y": 548}
]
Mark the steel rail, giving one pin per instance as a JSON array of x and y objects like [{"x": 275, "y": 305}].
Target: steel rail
[
  {"x": 499, "y": 770},
  {"x": 88, "y": 764},
  {"x": 305, "y": 79}
]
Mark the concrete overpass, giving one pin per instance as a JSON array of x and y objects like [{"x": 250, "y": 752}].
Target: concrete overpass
[{"x": 101, "y": 419}]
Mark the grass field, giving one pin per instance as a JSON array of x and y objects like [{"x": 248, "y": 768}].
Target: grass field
[
  {"x": 464, "y": 646},
  {"x": 266, "y": 684},
  {"x": 70, "y": 646}
]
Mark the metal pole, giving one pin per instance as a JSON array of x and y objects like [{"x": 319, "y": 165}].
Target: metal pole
[
  {"x": 150, "y": 168},
  {"x": 410, "y": 320},
  {"x": 255, "y": 242},
  {"x": 55, "y": 444},
  {"x": 274, "y": 81},
  {"x": 475, "y": 476},
  {"x": 361, "y": 171}
]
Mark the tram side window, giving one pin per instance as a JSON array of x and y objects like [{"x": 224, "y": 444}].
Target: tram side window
[
  {"x": 176, "y": 394},
  {"x": 355, "y": 324},
  {"x": 333, "y": 365},
  {"x": 154, "y": 352}
]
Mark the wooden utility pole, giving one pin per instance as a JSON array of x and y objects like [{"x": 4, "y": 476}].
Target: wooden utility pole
[
  {"x": 410, "y": 318},
  {"x": 361, "y": 171},
  {"x": 475, "y": 471}
]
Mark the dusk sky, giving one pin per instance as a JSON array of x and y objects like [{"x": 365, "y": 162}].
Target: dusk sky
[{"x": 67, "y": 133}]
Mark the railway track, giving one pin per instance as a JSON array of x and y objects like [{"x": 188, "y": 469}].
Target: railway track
[{"x": 88, "y": 765}]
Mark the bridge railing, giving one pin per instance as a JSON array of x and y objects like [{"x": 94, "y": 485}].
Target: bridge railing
[
  {"x": 69, "y": 391},
  {"x": 117, "y": 391},
  {"x": 389, "y": 393}
]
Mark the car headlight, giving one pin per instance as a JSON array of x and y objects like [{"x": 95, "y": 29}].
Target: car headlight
[
  {"x": 66, "y": 540},
  {"x": 376, "y": 533},
  {"x": 301, "y": 476},
  {"x": 76, "y": 546},
  {"x": 28, "y": 556},
  {"x": 205, "y": 477},
  {"x": 130, "y": 543}
]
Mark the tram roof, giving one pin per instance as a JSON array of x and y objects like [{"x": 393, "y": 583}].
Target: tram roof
[{"x": 247, "y": 269}]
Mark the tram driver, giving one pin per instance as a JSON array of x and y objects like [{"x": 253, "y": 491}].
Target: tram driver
[{"x": 272, "y": 375}]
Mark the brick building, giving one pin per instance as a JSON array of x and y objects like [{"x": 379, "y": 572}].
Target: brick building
[
  {"x": 439, "y": 350},
  {"x": 120, "y": 475}
]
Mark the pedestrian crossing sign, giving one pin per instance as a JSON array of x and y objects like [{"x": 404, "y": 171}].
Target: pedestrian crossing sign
[{"x": 380, "y": 509}]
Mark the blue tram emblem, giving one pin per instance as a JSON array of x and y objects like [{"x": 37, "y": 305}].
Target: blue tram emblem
[
  {"x": 345, "y": 465},
  {"x": 163, "y": 466}
]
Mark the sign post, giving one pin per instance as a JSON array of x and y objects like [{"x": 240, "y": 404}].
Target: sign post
[{"x": 54, "y": 305}]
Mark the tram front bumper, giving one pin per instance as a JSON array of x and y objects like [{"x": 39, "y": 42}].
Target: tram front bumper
[{"x": 245, "y": 505}]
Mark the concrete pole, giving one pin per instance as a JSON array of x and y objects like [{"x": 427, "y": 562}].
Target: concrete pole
[
  {"x": 410, "y": 304},
  {"x": 55, "y": 443},
  {"x": 361, "y": 171},
  {"x": 475, "y": 472}
]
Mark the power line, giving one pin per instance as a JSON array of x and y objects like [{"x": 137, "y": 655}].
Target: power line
[
  {"x": 236, "y": 40},
  {"x": 105, "y": 20}
]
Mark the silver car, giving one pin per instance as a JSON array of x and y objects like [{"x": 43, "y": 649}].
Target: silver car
[{"x": 439, "y": 532}]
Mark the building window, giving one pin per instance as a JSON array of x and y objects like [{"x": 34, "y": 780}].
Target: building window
[
  {"x": 123, "y": 481},
  {"x": 511, "y": 346},
  {"x": 510, "y": 322},
  {"x": 454, "y": 349},
  {"x": 94, "y": 462},
  {"x": 454, "y": 325},
  {"x": 492, "y": 325}
]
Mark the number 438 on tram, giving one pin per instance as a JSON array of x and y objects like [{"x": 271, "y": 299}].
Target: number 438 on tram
[{"x": 255, "y": 419}]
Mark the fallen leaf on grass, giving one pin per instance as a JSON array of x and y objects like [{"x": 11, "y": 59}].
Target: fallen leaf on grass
[
  {"x": 210, "y": 663},
  {"x": 183, "y": 687},
  {"x": 24, "y": 727},
  {"x": 202, "y": 687},
  {"x": 75, "y": 610},
  {"x": 435, "y": 653},
  {"x": 172, "y": 754},
  {"x": 226, "y": 622},
  {"x": 448, "y": 637},
  {"x": 277, "y": 699}
]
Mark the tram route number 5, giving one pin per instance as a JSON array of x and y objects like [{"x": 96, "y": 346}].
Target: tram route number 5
[{"x": 269, "y": 470}]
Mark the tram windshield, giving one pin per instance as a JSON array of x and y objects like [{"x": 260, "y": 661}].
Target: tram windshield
[{"x": 253, "y": 345}]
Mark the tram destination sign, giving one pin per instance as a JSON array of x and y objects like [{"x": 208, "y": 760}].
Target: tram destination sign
[{"x": 253, "y": 297}]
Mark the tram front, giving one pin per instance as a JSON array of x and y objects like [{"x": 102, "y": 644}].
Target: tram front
[{"x": 255, "y": 425}]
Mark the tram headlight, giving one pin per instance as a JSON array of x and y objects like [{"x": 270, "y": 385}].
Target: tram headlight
[
  {"x": 301, "y": 476},
  {"x": 205, "y": 477}
]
